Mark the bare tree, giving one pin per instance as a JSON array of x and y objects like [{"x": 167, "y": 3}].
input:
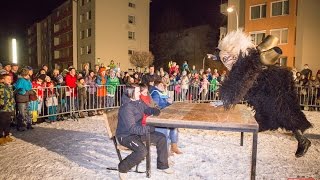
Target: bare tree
[{"x": 141, "y": 58}]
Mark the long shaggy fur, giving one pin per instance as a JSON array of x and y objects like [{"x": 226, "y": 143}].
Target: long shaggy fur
[
  {"x": 270, "y": 91},
  {"x": 235, "y": 42}
]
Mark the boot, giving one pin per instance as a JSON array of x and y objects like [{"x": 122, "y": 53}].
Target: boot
[
  {"x": 2, "y": 141},
  {"x": 81, "y": 115},
  {"x": 175, "y": 149},
  {"x": 9, "y": 139},
  {"x": 303, "y": 144}
]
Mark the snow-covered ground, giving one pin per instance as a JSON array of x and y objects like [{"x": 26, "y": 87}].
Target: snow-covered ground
[{"x": 82, "y": 150}]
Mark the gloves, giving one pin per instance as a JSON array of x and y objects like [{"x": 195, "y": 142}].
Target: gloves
[
  {"x": 151, "y": 129},
  {"x": 156, "y": 111}
]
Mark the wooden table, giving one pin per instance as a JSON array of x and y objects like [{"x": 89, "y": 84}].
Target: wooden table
[{"x": 204, "y": 116}]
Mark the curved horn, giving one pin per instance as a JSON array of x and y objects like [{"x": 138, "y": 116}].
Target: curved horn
[
  {"x": 268, "y": 43},
  {"x": 270, "y": 56}
]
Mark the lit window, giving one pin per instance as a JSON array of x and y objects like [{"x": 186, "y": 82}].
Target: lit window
[
  {"x": 88, "y": 15},
  {"x": 89, "y": 32},
  {"x": 131, "y": 19},
  {"x": 89, "y": 49},
  {"x": 282, "y": 61},
  {"x": 282, "y": 34},
  {"x": 257, "y": 37},
  {"x": 258, "y": 11},
  {"x": 132, "y": 5},
  {"x": 131, "y": 35},
  {"x": 280, "y": 8}
]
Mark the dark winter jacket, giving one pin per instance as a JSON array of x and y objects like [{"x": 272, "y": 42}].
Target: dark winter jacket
[{"x": 130, "y": 117}]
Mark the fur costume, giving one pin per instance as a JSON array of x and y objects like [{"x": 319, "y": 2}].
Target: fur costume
[{"x": 267, "y": 88}]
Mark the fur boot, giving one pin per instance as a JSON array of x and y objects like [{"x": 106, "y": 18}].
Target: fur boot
[
  {"x": 175, "y": 149},
  {"x": 2, "y": 141},
  {"x": 303, "y": 143}
]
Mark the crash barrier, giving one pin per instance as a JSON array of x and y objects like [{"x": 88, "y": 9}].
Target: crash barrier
[{"x": 63, "y": 100}]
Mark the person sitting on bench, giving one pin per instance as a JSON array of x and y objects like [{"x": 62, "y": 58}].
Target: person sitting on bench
[{"x": 131, "y": 134}]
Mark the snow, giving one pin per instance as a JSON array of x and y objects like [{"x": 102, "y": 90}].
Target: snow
[{"x": 81, "y": 150}]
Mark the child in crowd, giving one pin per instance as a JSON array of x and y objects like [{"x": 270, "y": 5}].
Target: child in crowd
[
  {"x": 7, "y": 105},
  {"x": 36, "y": 106},
  {"x": 82, "y": 95},
  {"x": 91, "y": 83},
  {"x": 204, "y": 87},
  {"x": 102, "y": 89},
  {"x": 51, "y": 100},
  {"x": 161, "y": 100},
  {"x": 112, "y": 84}
]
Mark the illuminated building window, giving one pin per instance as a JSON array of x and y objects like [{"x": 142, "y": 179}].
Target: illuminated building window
[
  {"x": 282, "y": 34},
  {"x": 131, "y": 35},
  {"x": 257, "y": 36},
  {"x": 280, "y": 8},
  {"x": 258, "y": 11},
  {"x": 131, "y": 19},
  {"x": 132, "y": 5}
]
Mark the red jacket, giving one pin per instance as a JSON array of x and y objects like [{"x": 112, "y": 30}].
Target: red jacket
[
  {"x": 39, "y": 89},
  {"x": 71, "y": 81},
  {"x": 147, "y": 100}
]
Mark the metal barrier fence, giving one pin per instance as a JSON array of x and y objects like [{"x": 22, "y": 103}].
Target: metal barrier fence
[{"x": 54, "y": 102}]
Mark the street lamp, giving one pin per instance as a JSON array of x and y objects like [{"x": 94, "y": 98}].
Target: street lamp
[
  {"x": 209, "y": 56},
  {"x": 230, "y": 10}
]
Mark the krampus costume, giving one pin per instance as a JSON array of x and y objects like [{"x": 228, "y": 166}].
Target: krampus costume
[{"x": 269, "y": 89}]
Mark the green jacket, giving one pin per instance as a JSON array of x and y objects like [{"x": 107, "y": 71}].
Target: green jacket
[
  {"x": 112, "y": 84},
  {"x": 7, "y": 102},
  {"x": 214, "y": 85}
]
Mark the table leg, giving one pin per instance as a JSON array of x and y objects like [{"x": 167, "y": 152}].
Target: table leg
[
  {"x": 241, "y": 140},
  {"x": 254, "y": 155},
  {"x": 148, "y": 156}
]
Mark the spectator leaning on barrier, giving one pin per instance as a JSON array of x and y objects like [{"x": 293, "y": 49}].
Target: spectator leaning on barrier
[
  {"x": 51, "y": 100},
  {"x": 24, "y": 90},
  {"x": 71, "y": 92},
  {"x": 82, "y": 95},
  {"x": 112, "y": 84},
  {"x": 36, "y": 106},
  {"x": 91, "y": 83},
  {"x": 306, "y": 71},
  {"x": 7, "y": 105},
  {"x": 101, "y": 90}
]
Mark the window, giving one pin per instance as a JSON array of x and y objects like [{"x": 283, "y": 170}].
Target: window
[
  {"x": 131, "y": 35},
  {"x": 58, "y": 13},
  {"x": 257, "y": 37},
  {"x": 130, "y": 52},
  {"x": 81, "y": 18},
  {"x": 56, "y": 27},
  {"x": 280, "y": 8},
  {"x": 81, "y": 50},
  {"x": 89, "y": 49},
  {"x": 258, "y": 11},
  {"x": 89, "y": 32},
  {"x": 132, "y": 5},
  {"x": 88, "y": 15},
  {"x": 82, "y": 3},
  {"x": 282, "y": 61},
  {"x": 81, "y": 34},
  {"x": 131, "y": 19},
  {"x": 88, "y": 1},
  {"x": 282, "y": 34}
]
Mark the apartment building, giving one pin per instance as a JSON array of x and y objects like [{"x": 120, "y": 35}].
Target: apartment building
[
  {"x": 112, "y": 30},
  {"x": 32, "y": 45},
  {"x": 64, "y": 38},
  {"x": 294, "y": 22}
]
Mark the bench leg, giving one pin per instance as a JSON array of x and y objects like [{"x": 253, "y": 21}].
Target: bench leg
[
  {"x": 241, "y": 139},
  {"x": 115, "y": 145},
  {"x": 148, "y": 164}
]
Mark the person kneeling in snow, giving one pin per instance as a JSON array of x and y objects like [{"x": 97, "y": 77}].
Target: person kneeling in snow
[{"x": 131, "y": 134}]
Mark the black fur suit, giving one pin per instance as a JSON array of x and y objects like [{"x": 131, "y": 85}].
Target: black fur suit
[{"x": 269, "y": 90}]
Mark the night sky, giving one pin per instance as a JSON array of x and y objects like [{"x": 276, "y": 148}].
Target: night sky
[{"x": 17, "y": 15}]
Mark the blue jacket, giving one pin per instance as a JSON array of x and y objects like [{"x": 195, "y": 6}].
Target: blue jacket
[
  {"x": 130, "y": 117},
  {"x": 159, "y": 98},
  {"x": 22, "y": 86}
]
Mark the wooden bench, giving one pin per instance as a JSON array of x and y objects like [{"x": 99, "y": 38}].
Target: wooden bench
[{"x": 111, "y": 120}]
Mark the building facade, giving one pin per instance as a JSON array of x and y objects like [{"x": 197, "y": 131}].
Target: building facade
[
  {"x": 112, "y": 30},
  {"x": 64, "y": 41}
]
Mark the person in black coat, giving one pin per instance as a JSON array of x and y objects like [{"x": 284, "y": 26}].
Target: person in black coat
[
  {"x": 131, "y": 134},
  {"x": 267, "y": 88}
]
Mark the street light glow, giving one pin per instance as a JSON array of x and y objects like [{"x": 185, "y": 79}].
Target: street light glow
[
  {"x": 230, "y": 9},
  {"x": 14, "y": 51}
]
